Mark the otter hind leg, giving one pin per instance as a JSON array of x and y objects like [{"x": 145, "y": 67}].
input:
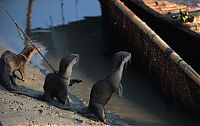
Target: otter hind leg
[
  {"x": 68, "y": 101},
  {"x": 98, "y": 110},
  {"x": 62, "y": 98},
  {"x": 14, "y": 75},
  {"x": 46, "y": 96},
  {"x": 12, "y": 80},
  {"x": 74, "y": 81}
]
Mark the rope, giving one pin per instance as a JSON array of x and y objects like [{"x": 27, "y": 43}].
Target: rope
[{"x": 21, "y": 31}]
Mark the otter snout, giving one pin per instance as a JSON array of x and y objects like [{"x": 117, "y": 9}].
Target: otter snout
[
  {"x": 127, "y": 57},
  {"x": 122, "y": 56},
  {"x": 75, "y": 58},
  {"x": 70, "y": 59}
]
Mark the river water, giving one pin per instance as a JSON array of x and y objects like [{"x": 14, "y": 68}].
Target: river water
[{"x": 76, "y": 27}]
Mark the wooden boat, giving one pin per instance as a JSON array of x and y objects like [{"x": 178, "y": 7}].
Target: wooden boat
[
  {"x": 184, "y": 38},
  {"x": 171, "y": 10},
  {"x": 177, "y": 80}
]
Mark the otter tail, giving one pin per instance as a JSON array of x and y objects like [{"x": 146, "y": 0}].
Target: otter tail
[
  {"x": 98, "y": 110},
  {"x": 21, "y": 90}
]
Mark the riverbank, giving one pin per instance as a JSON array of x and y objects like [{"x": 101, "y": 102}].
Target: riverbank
[{"x": 22, "y": 110}]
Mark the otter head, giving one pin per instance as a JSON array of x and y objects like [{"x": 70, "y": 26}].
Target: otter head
[
  {"x": 67, "y": 63},
  {"x": 121, "y": 57},
  {"x": 30, "y": 50}
]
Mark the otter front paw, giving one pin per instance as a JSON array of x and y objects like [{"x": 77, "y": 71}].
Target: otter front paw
[
  {"x": 74, "y": 81},
  {"x": 16, "y": 77},
  {"x": 121, "y": 95},
  {"x": 68, "y": 104},
  {"x": 78, "y": 81}
]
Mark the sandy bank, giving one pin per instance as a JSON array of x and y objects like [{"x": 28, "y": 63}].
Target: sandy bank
[{"x": 22, "y": 110}]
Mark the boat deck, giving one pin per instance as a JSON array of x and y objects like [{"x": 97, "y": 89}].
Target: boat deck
[{"x": 169, "y": 8}]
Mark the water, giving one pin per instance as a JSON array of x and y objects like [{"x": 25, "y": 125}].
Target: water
[{"x": 83, "y": 33}]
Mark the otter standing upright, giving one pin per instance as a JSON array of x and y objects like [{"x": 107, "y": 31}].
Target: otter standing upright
[
  {"x": 56, "y": 84},
  {"x": 103, "y": 89}
]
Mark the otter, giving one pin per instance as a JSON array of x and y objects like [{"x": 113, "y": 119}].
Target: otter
[
  {"x": 56, "y": 84},
  {"x": 7, "y": 83},
  {"x": 16, "y": 62},
  {"x": 103, "y": 89}
]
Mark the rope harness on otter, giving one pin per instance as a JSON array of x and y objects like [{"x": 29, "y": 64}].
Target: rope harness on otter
[
  {"x": 23, "y": 34},
  {"x": 22, "y": 55}
]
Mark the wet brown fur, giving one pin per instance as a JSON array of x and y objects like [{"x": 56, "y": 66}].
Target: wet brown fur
[
  {"x": 56, "y": 84},
  {"x": 16, "y": 62}
]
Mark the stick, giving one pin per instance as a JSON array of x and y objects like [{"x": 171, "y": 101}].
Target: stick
[{"x": 18, "y": 27}]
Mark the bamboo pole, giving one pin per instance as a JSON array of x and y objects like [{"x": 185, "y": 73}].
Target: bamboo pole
[
  {"x": 29, "y": 17},
  {"x": 158, "y": 41}
]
